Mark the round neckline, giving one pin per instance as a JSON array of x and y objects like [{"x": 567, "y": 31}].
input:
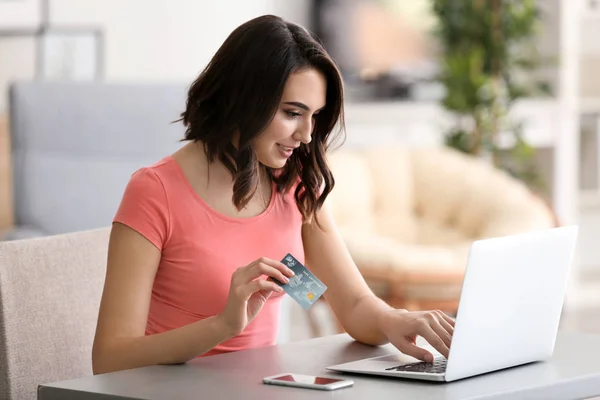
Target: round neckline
[{"x": 212, "y": 210}]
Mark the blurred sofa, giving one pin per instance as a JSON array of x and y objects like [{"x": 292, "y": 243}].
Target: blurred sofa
[
  {"x": 409, "y": 216},
  {"x": 75, "y": 145}
]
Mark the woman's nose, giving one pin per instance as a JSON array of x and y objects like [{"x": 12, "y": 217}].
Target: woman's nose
[{"x": 304, "y": 134}]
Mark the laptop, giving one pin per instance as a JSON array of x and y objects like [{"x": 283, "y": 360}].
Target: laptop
[{"x": 508, "y": 313}]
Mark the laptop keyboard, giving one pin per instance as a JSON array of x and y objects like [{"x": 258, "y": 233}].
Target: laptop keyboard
[{"x": 438, "y": 366}]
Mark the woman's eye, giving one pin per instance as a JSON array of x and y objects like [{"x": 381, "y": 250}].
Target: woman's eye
[{"x": 293, "y": 114}]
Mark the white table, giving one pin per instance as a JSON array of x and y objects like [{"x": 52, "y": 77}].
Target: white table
[{"x": 572, "y": 373}]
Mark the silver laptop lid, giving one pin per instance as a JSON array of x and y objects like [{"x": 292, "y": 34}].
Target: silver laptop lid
[{"x": 511, "y": 301}]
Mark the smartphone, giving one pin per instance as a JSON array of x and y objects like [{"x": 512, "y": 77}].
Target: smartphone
[{"x": 307, "y": 381}]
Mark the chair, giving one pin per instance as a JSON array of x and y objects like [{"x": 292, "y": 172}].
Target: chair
[
  {"x": 50, "y": 290},
  {"x": 409, "y": 216}
]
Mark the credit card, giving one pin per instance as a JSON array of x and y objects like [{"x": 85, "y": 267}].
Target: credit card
[{"x": 303, "y": 287}]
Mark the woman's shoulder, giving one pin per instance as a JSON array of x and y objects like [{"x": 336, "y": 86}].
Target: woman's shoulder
[
  {"x": 154, "y": 174},
  {"x": 152, "y": 183},
  {"x": 144, "y": 206},
  {"x": 162, "y": 167}
]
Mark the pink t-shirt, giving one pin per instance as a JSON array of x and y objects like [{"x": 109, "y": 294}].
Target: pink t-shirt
[{"x": 201, "y": 248}]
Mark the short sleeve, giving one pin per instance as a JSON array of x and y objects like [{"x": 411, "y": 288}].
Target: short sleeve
[{"x": 144, "y": 207}]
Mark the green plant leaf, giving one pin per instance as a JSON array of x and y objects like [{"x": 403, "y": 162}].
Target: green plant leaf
[{"x": 483, "y": 44}]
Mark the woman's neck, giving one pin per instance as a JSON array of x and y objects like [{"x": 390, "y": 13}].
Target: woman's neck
[{"x": 216, "y": 170}]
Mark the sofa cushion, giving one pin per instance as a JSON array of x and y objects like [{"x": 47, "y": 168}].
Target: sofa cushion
[
  {"x": 427, "y": 206},
  {"x": 444, "y": 182},
  {"x": 76, "y": 144},
  {"x": 431, "y": 233},
  {"x": 351, "y": 200},
  {"x": 380, "y": 252},
  {"x": 393, "y": 191}
]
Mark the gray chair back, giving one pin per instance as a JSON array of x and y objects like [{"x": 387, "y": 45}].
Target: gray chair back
[
  {"x": 75, "y": 146},
  {"x": 50, "y": 290}
]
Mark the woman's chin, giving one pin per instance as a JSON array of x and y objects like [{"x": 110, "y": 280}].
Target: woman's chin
[{"x": 274, "y": 162}]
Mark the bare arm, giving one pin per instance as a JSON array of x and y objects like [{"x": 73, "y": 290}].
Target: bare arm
[
  {"x": 351, "y": 300},
  {"x": 364, "y": 316},
  {"x": 120, "y": 342}
]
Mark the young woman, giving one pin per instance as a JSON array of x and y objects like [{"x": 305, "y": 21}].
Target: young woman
[{"x": 198, "y": 234}]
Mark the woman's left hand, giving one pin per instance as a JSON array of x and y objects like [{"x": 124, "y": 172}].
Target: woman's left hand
[{"x": 402, "y": 328}]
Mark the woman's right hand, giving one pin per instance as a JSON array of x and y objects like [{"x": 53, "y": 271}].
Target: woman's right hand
[{"x": 248, "y": 292}]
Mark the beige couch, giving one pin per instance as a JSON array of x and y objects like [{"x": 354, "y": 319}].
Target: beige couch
[{"x": 409, "y": 216}]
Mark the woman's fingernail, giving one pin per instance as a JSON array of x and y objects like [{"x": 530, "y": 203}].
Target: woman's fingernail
[
  {"x": 429, "y": 358},
  {"x": 290, "y": 272},
  {"x": 285, "y": 280}
]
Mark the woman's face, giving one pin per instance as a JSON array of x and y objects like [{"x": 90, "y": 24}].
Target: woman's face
[{"x": 303, "y": 97}]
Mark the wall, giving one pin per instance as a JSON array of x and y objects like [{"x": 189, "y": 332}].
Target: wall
[
  {"x": 157, "y": 40},
  {"x": 164, "y": 39},
  {"x": 173, "y": 39},
  {"x": 17, "y": 61}
]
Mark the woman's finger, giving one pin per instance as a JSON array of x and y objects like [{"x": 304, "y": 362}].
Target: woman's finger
[
  {"x": 277, "y": 265},
  {"x": 427, "y": 332},
  {"x": 446, "y": 318},
  {"x": 260, "y": 268},
  {"x": 259, "y": 284},
  {"x": 442, "y": 333},
  {"x": 446, "y": 325},
  {"x": 412, "y": 350}
]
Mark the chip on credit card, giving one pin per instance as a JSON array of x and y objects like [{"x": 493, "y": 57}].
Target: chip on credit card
[{"x": 304, "y": 287}]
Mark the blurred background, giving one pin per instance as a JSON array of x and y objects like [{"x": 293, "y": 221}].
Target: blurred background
[{"x": 464, "y": 120}]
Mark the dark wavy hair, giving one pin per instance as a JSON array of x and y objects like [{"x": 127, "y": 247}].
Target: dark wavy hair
[{"x": 240, "y": 90}]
